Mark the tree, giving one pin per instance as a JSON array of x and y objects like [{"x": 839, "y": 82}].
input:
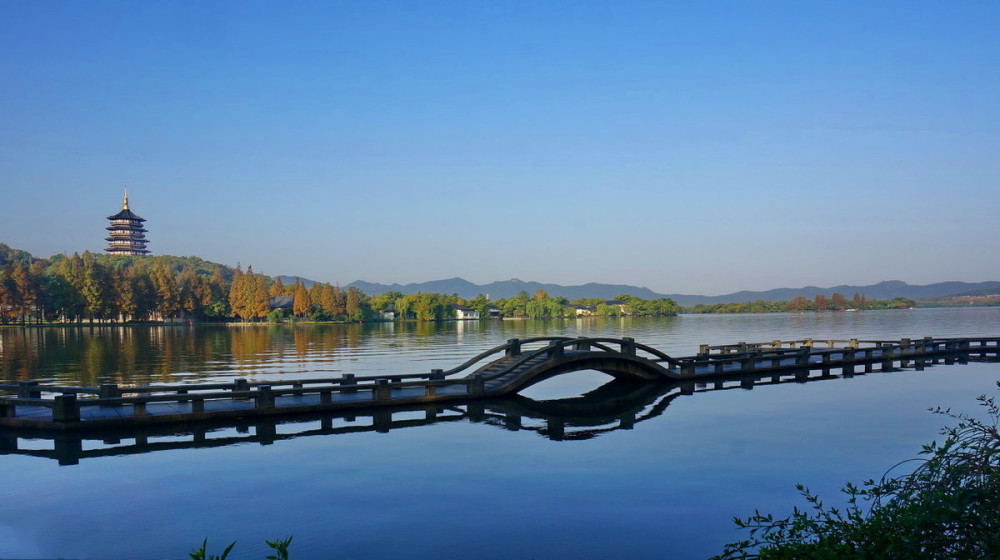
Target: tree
[
  {"x": 819, "y": 302},
  {"x": 238, "y": 292},
  {"x": 353, "y": 305},
  {"x": 302, "y": 304},
  {"x": 96, "y": 289},
  {"x": 838, "y": 301},
  {"x": 167, "y": 292},
  {"x": 339, "y": 305},
  {"x": 481, "y": 304},
  {"x": 278, "y": 288},
  {"x": 315, "y": 293},
  {"x": 382, "y": 301},
  {"x": 797, "y": 303}
]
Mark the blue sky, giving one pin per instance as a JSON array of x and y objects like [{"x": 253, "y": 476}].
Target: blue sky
[{"x": 690, "y": 147}]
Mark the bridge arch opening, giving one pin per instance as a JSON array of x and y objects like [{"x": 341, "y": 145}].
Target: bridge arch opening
[{"x": 566, "y": 385}]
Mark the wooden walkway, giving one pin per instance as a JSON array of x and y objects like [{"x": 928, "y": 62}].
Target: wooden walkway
[{"x": 498, "y": 372}]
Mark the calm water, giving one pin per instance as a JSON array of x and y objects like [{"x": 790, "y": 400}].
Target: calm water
[{"x": 468, "y": 485}]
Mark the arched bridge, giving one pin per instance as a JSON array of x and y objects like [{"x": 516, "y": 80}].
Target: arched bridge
[
  {"x": 497, "y": 372},
  {"x": 514, "y": 366}
]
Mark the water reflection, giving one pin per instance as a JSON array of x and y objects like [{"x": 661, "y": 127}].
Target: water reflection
[{"x": 616, "y": 405}]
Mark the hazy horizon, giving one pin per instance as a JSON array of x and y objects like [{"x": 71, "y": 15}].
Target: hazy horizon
[{"x": 700, "y": 148}]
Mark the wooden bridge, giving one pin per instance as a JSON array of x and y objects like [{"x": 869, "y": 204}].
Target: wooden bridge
[{"x": 498, "y": 372}]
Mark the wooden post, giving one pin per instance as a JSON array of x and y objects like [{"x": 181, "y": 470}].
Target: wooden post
[
  {"x": 241, "y": 385},
  {"x": 198, "y": 405},
  {"x": 110, "y": 391},
  {"x": 555, "y": 350},
  {"x": 513, "y": 347},
  {"x": 430, "y": 390},
  {"x": 382, "y": 390},
  {"x": 29, "y": 390},
  {"x": 687, "y": 387},
  {"x": 628, "y": 346},
  {"x": 67, "y": 448},
  {"x": 477, "y": 386},
  {"x": 66, "y": 408},
  {"x": 687, "y": 369},
  {"x": 436, "y": 374},
  {"x": 265, "y": 397},
  {"x": 582, "y": 346},
  {"x": 267, "y": 432},
  {"x": 556, "y": 429},
  {"x": 476, "y": 411},
  {"x": 382, "y": 419},
  {"x": 139, "y": 409},
  {"x": 325, "y": 396},
  {"x": 848, "y": 358},
  {"x": 802, "y": 357},
  {"x": 8, "y": 410},
  {"x": 703, "y": 350},
  {"x": 346, "y": 381},
  {"x": 746, "y": 383}
]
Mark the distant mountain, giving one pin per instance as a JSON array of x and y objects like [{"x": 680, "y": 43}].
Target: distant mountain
[
  {"x": 510, "y": 288},
  {"x": 289, "y": 280},
  {"x": 882, "y": 290},
  {"x": 507, "y": 289}
]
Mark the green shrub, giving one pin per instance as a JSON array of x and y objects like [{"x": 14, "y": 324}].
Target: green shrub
[{"x": 947, "y": 507}]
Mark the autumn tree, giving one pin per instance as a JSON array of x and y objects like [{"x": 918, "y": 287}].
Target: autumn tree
[
  {"x": 353, "y": 304},
  {"x": 166, "y": 290},
  {"x": 339, "y": 303},
  {"x": 277, "y": 289},
  {"x": 797, "y": 303},
  {"x": 302, "y": 304}
]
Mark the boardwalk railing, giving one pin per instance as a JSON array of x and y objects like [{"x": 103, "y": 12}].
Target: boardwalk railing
[{"x": 498, "y": 371}]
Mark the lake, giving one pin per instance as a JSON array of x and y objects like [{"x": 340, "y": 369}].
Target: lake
[{"x": 468, "y": 484}]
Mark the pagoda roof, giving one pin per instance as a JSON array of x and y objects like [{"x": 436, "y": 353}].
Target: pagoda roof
[{"x": 126, "y": 214}]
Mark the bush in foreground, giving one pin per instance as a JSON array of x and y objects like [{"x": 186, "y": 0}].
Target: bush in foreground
[
  {"x": 280, "y": 548},
  {"x": 948, "y": 507}
]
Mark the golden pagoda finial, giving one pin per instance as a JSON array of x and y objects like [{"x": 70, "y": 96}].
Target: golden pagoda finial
[{"x": 125, "y": 204}]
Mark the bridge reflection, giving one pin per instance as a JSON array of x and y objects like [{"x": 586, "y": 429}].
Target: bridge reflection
[{"x": 617, "y": 405}]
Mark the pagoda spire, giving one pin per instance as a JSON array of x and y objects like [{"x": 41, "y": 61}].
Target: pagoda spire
[{"x": 125, "y": 204}]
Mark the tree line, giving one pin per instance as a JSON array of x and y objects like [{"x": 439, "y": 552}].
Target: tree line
[
  {"x": 835, "y": 302},
  {"x": 104, "y": 288}
]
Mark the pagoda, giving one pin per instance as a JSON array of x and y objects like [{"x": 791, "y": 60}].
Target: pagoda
[{"x": 127, "y": 236}]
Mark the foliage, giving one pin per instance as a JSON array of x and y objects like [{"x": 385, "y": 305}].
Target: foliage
[
  {"x": 947, "y": 507},
  {"x": 202, "y": 554},
  {"x": 279, "y": 546},
  {"x": 836, "y": 302}
]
